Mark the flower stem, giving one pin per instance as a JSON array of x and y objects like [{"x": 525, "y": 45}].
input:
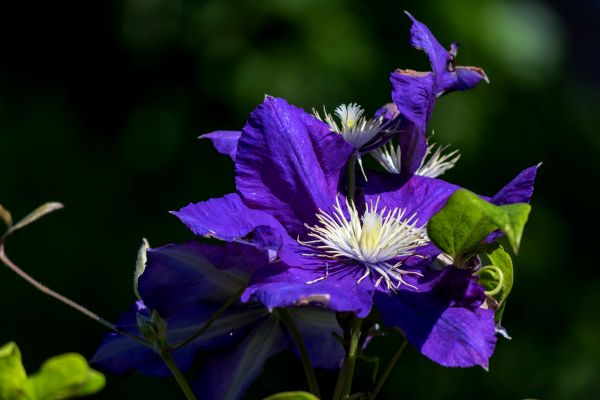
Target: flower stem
[
  {"x": 344, "y": 383},
  {"x": 388, "y": 369},
  {"x": 209, "y": 321},
  {"x": 65, "y": 300},
  {"x": 351, "y": 177},
  {"x": 311, "y": 378},
  {"x": 183, "y": 384}
]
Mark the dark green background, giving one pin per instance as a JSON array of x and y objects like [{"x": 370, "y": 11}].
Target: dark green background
[{"x": 101, "y": 104}]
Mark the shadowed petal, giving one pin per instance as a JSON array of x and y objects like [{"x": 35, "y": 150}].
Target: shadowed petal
[
  {"x": 289, "y": 163},
  {"x": 183, "y": 274},
  {"x": 227, "y": 374},
  {"x": 225, "y": 142},
  {"x": 317, "y": 327},
  {"x": 119, "y": 354}
]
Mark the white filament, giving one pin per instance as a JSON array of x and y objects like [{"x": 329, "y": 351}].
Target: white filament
[{"x": 376, "y": 240}]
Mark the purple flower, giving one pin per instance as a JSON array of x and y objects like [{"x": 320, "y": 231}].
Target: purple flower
[
  {"x": 336, "y": 253},
  {"x": 186, "y": 284}
]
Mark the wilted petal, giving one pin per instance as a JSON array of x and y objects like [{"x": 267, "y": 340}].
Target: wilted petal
[
  {"x": 289, "y": 163},
  {"x": 225, "y": 142}
]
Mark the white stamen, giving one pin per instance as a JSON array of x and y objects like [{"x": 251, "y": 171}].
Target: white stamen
[
  {"x": 353, "y": 126},
  {"x": 376, "y": 240},
  {"x": 389, "y": 158},
  {"x": 435, "y": 162}
]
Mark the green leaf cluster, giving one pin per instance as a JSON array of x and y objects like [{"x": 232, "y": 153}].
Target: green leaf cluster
[{"x": 62, "y": 377}]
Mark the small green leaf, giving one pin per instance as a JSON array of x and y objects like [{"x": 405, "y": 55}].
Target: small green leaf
[
  {"x": 12, "y": 374},
  {"x": 6, "y": 217},
  {"x": 466, "y": 220},
  {"x": 65, "y": 376},
  {"x": 140, "y": 266},
  {"x": 37, "y": 214},
  {"x": 292, "y": 396}
]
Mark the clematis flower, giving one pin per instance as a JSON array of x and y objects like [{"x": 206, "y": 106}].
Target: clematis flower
[
  {"x": 289, "y": 169},
  {"x": 186, "y": 284}
]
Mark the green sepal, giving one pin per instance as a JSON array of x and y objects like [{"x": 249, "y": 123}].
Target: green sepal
[
  {"x": 497, "y": 278},
  {"x": 466, "y": 220},
  {"x": 154, "y": 329},
  {"x": 292, "y": 396},
  {"x": 140, "y": 266},
  {"x": 65, "y": 376},
  {"x": 13, "y": 378}
]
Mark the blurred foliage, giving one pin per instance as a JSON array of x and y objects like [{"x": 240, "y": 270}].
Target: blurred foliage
[
  {"x": 60, "y": 377},
  {"x": 101, "y": 104}
]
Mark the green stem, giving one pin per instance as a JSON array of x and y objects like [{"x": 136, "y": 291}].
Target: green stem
[
  {"x": 351, "y": 177},
  {"x": 388, "y": 370},
  {"x": 183, "y": 384},
  {"x": 209, "y": 321},
  {"x": 311, "y": 378},
  {"x": 344, "y": 383}
]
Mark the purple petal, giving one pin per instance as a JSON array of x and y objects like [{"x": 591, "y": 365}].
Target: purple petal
[
  {"x": 225, "y": 142},
  {"x": 463, "y": 78},
  {"x": 422, "y": 195},
  {"x": 281, "y": 286},
  {"x": 519, "y": 190},
  {"x": 289, "y": 163},
  {"x": 447, "y": 76},
  {"x": 228, "y": 218},
  {"x": 227, "y": 374},
  {"x": 183, "y": 274},
  {"x": 414, "y": 94},
  {"x": 421, "y": 38},
  {"x": 443, "y": 323},
  {"x": 413, "y": 145}
]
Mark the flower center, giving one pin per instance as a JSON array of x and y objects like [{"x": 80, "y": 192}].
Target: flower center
[
  {"x": 380, "y": 240},
  {"x": 353, "y": 126}
]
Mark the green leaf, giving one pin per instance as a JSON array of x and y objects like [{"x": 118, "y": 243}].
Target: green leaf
[
  {"x": 499, "y": 279},
  {"x": 292, "y": 396},
  {"x": 6, "y": 217},
  {"x": 65, "y": 376},
  {"x": 140, "y": 266},
  {"x": 37, "y": 214},
  {"x": 13, "y": 377},
  {"x": 466, "y": 220}
]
